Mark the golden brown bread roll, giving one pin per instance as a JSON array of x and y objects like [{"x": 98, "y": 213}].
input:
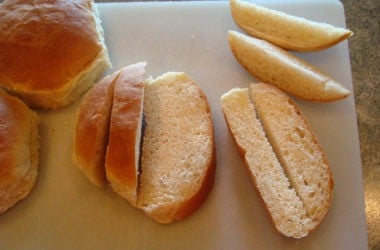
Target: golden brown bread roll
[
  {"x": 50, "y": 51},
  {"x": 19, "y": 144}
]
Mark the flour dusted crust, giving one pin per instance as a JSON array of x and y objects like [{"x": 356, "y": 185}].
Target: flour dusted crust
[{"x": 51, "y": 52}]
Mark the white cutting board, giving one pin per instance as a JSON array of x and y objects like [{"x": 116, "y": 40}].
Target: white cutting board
[{"x": 65, "y": 211}]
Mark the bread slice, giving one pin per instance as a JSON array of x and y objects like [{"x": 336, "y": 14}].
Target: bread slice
[
  {"x": 286, "y": 31},
  {"x": 288, "y": 167},
  {"x": 19, "y": 147},
  {"x": 91, "y": 131},
  {"x": 178, "y": 156},
  {"x": 278, "y": 67},
  {"x": 296, "y": 147},
  {"x": 53, "y": 54},
  {"x": 284, "y": 205},
  {"x": 123, "y": 150}
]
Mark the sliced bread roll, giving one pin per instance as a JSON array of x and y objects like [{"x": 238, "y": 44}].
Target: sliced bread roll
[
  {"x": 19, "y": 146},
  {"x": 297, "y": 148},
  {"x": 51, "y": 52},
  {"x": 178, "y": 156},
  {"x": 278, "y": 67},
  {"x": 284, "y": 159},
  {"x": 123, "y": 150},
  {"x": 91, "y": 131},
  {"x": 286, "y": 31},
  {"x": 284, "y": 205}
]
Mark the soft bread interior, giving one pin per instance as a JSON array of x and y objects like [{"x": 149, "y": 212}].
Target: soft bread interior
[
  {"x": 285, "y": 207},
  {"x": 177, "y": 159}
]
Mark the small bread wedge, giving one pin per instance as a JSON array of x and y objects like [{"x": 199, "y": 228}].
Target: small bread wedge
[
  {"x": 178, "y": 157},
  {"x": 286, "y": 31},
  {"x": 283, "y": 157},
  {"x": 287, "y": 72},
  {"x": 91, "y": 131},
  {"x": 123, "y": 150}
]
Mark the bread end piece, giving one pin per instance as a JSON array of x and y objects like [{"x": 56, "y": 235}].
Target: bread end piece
[
  {"x": 287, "y": 72},
  {"x": 284, "y": 30},
  {"x": 19, "y": 156},
  {"x": 91, "y": 131},
  {"x": 178, "y": 161}
]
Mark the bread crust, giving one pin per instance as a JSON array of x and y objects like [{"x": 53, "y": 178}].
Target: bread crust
[
  {"x": 19, "y": 146},
  {"x": 50, "y": 51},
  {"x": 286, "y": 31},
  {"x": 91, "y": 131},
  {"x": 122, "y": 158}
]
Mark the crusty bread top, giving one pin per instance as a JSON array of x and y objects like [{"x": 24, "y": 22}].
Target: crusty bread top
[
  {"x": 91, "y": 131},
  {"x": 44, "y": 45},
  {"x": 123, "y": 150},
  {"x": 284, "y": 205},
  {"x": 286, "y": 31},
  {"x": 178, "y": 150},
  {"x": 19, "y": 142},
  {"x": 287, "y": 72},
  {"x": 297, "y": 148}
]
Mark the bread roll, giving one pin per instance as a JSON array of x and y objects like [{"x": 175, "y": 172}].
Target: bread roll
[
  {"x": 19, "y": 146},
  {"x": 123, "y": 150},
  {"x": 278, "y": 67},
  {"x": 286, "y": 31},
  {"x": 51, "y": 52},
  {"x": 91, "y": 131},
  {"x": 283, "y": 157},
  {"x": 178, "y": 156}
]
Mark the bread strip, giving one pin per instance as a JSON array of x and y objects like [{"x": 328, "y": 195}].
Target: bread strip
[
  {"x": 297, "y": 148},
  {"x": 285, "y": 207},
  {"x": 178, "y": 161},
  {"x": 284, "y": 30},
  {"x": 91, "y": 131},
  {"x": 275, "y": 66},
  {"x": 122, "y": 159},
  {"x": 19, "y": 150}
]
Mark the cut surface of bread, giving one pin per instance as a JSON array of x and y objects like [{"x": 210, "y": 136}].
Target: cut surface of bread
[
  {"x": 19, "y": 147},
  {"x": 297, "y": 148},
  {"x": 287, "y": 72},
  {"x": 284, "y": 30},
  {"x": 91, "y": 131},
  {"x": 283, "y": 157},
  {"x": 51, "y": 52},
  {"x": 178, "y": 157},
  {"x": 123, "y": 150},
  {"x": 284, "y": 205}
]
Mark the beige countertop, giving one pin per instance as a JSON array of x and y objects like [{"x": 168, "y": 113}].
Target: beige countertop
[{"x": 363, "y": 18}]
